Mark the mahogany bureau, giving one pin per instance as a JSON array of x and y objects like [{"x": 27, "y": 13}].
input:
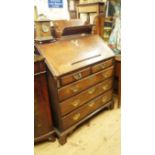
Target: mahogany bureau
[
  {"x": 80, "y": 78},
  {"x": 43, "y": 127}
]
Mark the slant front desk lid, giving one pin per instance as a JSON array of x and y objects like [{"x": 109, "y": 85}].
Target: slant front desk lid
[{"x": 72, "y": 53}]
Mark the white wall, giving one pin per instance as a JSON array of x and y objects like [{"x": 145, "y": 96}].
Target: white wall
[{"x": 52, "y": 13}]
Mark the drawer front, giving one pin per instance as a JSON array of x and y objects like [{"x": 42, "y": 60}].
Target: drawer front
[
  {"x": 102, "y": 66},
  {"x": 75, "y": 76},
  {"x": 85, "y": 83},
  {"x": 86, "y": 109},
  {"x": 80, "y": 99}
]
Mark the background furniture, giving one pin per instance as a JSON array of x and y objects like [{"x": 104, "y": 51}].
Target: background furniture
[
  {"x": 97, "y": 9},
  {"x": 72, "y": 4},
  {"x": 43, "y": 127},
  {"x": 118, "y": 76},
  {"x": 99, "y": 25},
  {"x": 80, "y": 78},
  {"x": 108, "y": 26}
]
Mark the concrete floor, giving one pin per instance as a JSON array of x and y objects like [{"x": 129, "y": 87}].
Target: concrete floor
[{"x": 98, "y": 136}]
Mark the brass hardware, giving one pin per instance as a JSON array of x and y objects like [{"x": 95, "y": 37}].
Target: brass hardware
[
  {"x": 77, "y": 76},
  {"x": 91, "y": 104},
  {"x": 105, "y": 87},
  {"x": 75, "y": 103},
  {"x": 75, "y": 89},
  {"x": 104, "y": 99},
  {"x": 76, "y": 117},
  {"x": 91, "y": 91},
  {"x": 102, "y": 66}
]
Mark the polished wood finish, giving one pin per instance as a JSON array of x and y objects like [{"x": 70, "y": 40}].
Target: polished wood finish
[
  {"x": 83, "y": 84},
  {"x": 60, "y": 25},
  {"x": 83, "y": 111},
  {"x": 73, "y": 53},
  {"x": 43, "y": 127},
  {"x": 102, "y": 65},
  {"x": 82, "y": 29},
  {"x": 88, "y": 89},
  {"x": 85, "y": 96},
  {"x": 75, "y": 76}
]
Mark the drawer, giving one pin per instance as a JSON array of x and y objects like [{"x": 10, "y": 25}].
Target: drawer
[
  {"x": 75, "y": 76},
  {"x": 77, "y": 87},
  {"x": 80, "y": 99},
  {"x": 102, "y": 65},
  {"x": 86, "y": 109}
]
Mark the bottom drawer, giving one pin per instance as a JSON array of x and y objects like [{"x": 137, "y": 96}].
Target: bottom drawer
[{"x": 86, "y": 109}]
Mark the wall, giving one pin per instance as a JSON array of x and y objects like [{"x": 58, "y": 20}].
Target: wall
[{"x": 52, "y": 13}]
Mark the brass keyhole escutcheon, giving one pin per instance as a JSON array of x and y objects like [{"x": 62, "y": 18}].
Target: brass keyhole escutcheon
[{"x": 77, "y": 76}]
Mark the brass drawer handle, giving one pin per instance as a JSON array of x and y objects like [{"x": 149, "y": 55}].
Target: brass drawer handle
[
  {"x": 76, "y": 117},
  {"x": 75, "y": 89},
  {"x": 102, "y": 66},
  {"x": 91, "y": 104},
  {"x": 104, "y": 99},
  {"x": 91, "y": 91},
  {"x": 105, "y": 87},
  {"x": 75, "y": 103},
  {"x": 77, "y": 76}
]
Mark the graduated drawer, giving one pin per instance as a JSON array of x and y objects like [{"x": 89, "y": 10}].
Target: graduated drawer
[
  {"x": 77, "y": 87},
  {"x": 75, "y": 76},
  {"x": 86, "y": 109},
  {"x": 102, "y": 65},
  {"x": 85, "y": 96}
]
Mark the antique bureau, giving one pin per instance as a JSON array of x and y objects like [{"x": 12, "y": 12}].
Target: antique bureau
[
  {"x": 43, "y": 127},
  {"x": 80, "y": 79}
]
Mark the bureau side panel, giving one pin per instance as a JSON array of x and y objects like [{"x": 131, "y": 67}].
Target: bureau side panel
[{"x": 52, "y": 85}]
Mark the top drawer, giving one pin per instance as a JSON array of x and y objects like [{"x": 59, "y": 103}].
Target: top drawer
[
  {"x": 77, "y": 87},
  {"x": 102, "y": 65},
  {"x": 75, "y": 76}
]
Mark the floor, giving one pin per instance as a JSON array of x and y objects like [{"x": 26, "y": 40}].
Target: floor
[{"x": 99, "y": 136}]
